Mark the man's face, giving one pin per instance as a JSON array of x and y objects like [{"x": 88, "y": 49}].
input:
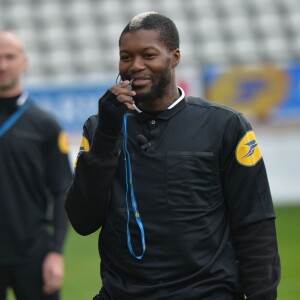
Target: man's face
[
  {"x": 146, "y": 59},
  {"x": 12, "y": 62}
]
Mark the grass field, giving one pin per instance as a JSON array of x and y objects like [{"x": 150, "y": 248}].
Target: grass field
[
  {"x": 82, "y": 262},
  {"x": 288, "y": 229}
]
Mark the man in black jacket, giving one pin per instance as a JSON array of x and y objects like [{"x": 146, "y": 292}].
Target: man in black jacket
[
  {"x": 177, "y": 185},
  {"x": 35, "y": 174}
]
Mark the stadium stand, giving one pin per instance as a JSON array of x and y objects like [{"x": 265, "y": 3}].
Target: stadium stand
[
  {"x": 67, "y": 39},
  {"x": 71, "y": 41}
]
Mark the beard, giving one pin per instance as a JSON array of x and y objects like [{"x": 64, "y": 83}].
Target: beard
[
  {"x": 158, "y": 89},
  {"x": 4, "y": 86}
]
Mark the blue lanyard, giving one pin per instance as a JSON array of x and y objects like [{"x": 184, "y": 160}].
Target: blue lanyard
[
  {"x": 129, "y": 188},
  {"x": 13, "y": 118}
]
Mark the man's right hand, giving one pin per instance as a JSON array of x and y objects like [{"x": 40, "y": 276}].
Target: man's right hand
[{"x": 112, "y": 106}]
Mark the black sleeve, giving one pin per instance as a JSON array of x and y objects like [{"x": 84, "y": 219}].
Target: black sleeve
[
  {"x": 59, "y": 176},
  {"x": 257, "y": 252},
  {"x": 244, "y": 177},
  {"x": 88, "y": 195},
  {"x": 60, "y": 223},
  {"x": 250, "y": 209}
]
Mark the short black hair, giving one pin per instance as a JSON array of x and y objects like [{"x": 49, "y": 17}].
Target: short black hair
[{"x": 154, "y": 21}]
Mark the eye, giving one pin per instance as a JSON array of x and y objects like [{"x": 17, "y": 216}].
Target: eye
[
  {"x": 149, "y": 55},
  {"x": 10, "y": 57},
  {"x": 124, "y": 57}
]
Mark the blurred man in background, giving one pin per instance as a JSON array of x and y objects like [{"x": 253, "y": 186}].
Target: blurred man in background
[
  {"x": 35, "y": 173},
  {"x": 177, "y": 184}
]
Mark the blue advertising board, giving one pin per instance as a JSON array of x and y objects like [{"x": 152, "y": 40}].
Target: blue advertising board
[
  {"x": 268, "y": 92},
  {"x": 71, "y": 104}
]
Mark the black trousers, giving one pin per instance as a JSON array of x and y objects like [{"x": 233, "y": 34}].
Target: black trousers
[{"x": 25, "y": 280}]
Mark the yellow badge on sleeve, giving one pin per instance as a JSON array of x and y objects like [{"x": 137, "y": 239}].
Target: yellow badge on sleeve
[
  {"x": 84, "y": 147},
  {"x": 63, "y": 143},
  {"x": 248, "y": 153}
]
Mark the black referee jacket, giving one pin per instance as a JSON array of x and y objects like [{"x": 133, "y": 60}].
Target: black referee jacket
[{"x": 206, "y": 208}]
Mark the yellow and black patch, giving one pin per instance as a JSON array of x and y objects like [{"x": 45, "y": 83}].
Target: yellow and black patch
[
  {"x": 247, "y": 152},
  {"x": 63, "y": 143},
  {"x": 84, "y": 147}
]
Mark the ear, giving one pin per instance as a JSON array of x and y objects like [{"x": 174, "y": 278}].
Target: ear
[
  {"x": 25, "y": 62},
  {"x": 176, "y": 57}
]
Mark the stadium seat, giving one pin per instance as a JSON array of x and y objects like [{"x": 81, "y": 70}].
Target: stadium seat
[{"x": 82, "y": 36}]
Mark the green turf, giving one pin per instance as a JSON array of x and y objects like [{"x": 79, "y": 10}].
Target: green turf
[
  {"x": 82, "y": 262},
  {"x": 288, "y": 229},
  {"x": 82, "y": 280}
]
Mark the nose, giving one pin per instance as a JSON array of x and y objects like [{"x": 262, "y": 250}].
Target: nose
[
  {"x": 137, "y": 64},
  {"x": 3, "y": 64}
]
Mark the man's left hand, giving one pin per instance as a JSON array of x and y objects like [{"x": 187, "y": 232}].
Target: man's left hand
[{"x": 53, "y": 272}]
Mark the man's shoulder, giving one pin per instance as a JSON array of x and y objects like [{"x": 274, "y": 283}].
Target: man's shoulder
[
  {"x": 39, "y": 115},
  {"x": 39, "y": 111},
  {"x": 91, "y": 122},
  {"x": 210, "y": 105},
  {"x": 90, "y": 126}
]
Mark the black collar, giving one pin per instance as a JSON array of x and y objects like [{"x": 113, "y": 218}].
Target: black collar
[{"x": 163, "y": 115}]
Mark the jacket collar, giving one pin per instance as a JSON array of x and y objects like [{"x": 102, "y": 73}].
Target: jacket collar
[{"x": 175, "y": 107}]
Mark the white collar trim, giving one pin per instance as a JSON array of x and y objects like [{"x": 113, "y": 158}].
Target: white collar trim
[
  {"x": 22, "y": 99},
  {"x": 182, "y": 95}
]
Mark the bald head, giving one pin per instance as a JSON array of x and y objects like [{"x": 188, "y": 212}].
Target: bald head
[
  {"x": 13, "y": 63},
  {"x": 13, "y": 39}
]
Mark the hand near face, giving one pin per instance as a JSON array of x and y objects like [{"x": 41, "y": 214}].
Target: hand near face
[
  {"x": 53, "y": 272},
  {"x": 124, "y": 93}
]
